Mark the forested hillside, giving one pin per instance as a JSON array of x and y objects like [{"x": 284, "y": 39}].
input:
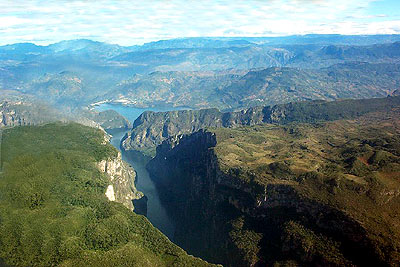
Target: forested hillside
[{"x": 54, "y": 210}]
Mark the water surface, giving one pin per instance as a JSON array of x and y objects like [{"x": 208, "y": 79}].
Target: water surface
[
  {"x": 131, "y": 113},
  {"x": 156, "y": 212}
]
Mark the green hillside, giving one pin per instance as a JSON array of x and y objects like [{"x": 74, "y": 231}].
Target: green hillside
[{"x": 53, "y": 210}]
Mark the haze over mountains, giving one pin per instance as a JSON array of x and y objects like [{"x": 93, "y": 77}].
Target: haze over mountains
[{"x": 228, "y": 73}]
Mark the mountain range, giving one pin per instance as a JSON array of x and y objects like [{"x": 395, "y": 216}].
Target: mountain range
[{"x": 202, "y": 72}]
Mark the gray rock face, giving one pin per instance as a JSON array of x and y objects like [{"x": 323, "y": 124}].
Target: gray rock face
[
  {"x": 122, "y": 181},
  {"x": 108, "y": 119},
  {"x": 22, "y": 113},
  {"x": 152, "y": 128}
]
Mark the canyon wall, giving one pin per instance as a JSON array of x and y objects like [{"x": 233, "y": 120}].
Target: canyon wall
[
  {"x": 122, "y": 181},
  {"x": 226, "y": 216},
  {"x": 151, "y": 128}
]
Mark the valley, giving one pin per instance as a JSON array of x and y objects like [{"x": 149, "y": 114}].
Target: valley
[
  {"x": 154, "y": 210},
  {"x": 253, "y": 151}
]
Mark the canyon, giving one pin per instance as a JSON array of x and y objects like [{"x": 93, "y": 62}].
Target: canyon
[
  {"x": 239, "y": 151},
  {"x": 286, "y": 194}
]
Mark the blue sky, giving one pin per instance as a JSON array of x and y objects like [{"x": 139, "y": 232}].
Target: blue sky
[{"x": 135, "y": 22}]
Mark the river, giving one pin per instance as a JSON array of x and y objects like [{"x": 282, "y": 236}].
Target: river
[{"x": 156, "y": 212}]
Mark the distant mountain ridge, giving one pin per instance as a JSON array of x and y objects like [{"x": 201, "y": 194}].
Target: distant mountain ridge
[
  {"x": 239, "y": 89},
  {"x": 192, "y": 42},
  {"x": 81, "y": 72}
]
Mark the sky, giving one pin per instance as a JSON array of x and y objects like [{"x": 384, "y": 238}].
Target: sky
[{"x": 136, "y": 22}]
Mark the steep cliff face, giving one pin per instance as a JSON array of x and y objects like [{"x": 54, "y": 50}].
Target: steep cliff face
[
  {"x": 31, "y": 112},
  {"x": 151, "y": 128},
  {"x": 26, "y": 113},
  {"x": 308, "y": 195},
  {"x": 108, "y": 119},
  {"x": 219, "y": 216},
  {"x": 183, "y": 172},
  {"x": 122, "y": 181}
]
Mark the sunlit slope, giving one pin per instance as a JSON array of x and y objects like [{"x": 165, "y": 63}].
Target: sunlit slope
[
  {"x": 53, "y": 210},
  {"x": 351, "y": 166}
]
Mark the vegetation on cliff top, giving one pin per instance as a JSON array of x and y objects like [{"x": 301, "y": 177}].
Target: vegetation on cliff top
[
  {"x": 352, "y": 166},
  {"x": 53, "y": 210}
]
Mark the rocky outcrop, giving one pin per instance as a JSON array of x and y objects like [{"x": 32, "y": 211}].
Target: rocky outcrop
[
  {"x": 108, "y": 119},
  {"x": 151, "y": 128},
  {"x": 22, "y": 113},
  {"x": 396, "y": 93},
  {"x": 122, "y": 181},
  {"x": 31, "y": 112}
]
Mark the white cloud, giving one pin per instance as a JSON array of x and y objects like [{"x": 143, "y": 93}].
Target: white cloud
[
  {"x": 125, "y": 22},
  {"x": 11, "y": 21}
]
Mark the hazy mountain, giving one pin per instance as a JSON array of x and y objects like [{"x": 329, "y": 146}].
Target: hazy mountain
[
  {"x": 309, "y": 39},
  {"x": 237, "y": 89},
  {"x": 79, "y": 72}
]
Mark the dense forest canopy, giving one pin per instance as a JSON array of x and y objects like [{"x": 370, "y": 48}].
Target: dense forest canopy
[{"x": 53, "y": 210}]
